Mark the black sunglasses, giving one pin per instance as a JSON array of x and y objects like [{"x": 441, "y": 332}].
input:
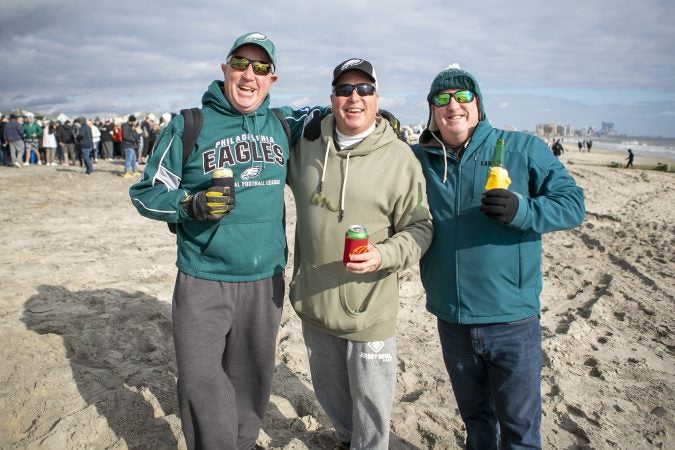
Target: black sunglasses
[
  {"x": 345, "y": 90},
  {"x": 259, "y": 67}
]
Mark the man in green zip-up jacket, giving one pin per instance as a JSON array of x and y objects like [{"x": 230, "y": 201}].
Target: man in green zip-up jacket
[
  {"x": 32, "y": 132},
  {"x": 358, "y": 172},
  {"x": 229, "y": 289},
  {"x": 482, "y": 272}
]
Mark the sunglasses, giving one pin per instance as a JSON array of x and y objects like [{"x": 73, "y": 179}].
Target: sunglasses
[
  {"x": 259, "y": 67},
  {"x": 345, "y": 90},
  {"x": 459, "y": 96}
]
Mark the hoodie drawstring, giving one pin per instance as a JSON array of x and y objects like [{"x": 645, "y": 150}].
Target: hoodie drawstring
[
  {"x": 445, "y": 158},
  {"x": 341, "y": 211},
  {"x": 250, "y": 126},
  {"x": 323, "y": 172},
  {"x": 344, "y": 189}
]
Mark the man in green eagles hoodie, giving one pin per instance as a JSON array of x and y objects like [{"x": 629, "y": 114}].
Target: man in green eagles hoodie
[
  {"x": 229, "y": 288},
  {"x": 482, "y": 272},
  {"x": 358, "y": 172}
]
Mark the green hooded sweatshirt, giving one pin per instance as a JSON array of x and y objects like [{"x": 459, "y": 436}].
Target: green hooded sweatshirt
[{"x": 249, "y": 243}]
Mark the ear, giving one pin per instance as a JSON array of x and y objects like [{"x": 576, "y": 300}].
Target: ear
[
  {"x": 273, "y": 79},
  {"x": 223, "y": 67}
]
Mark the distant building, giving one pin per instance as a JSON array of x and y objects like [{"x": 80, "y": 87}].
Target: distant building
[
  {"x": 552, "y": 129},
  {"x": 555, "y": 130}
]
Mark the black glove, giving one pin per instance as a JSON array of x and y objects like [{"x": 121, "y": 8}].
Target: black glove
[
  {"x": 312, "y": 129},
  {"x": 499, "y": 204},
  {"x": 211, "y": 204},
  {"x": 393, "y": 121}
]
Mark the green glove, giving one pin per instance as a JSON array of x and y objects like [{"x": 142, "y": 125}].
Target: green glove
[{"x": 211, "y": 204}]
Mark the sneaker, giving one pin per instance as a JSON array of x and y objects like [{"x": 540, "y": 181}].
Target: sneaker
[
  {"x": 26, "y": 163},
  {"x": 17, "y": 164},
  {"x": 128, "y": 175}
]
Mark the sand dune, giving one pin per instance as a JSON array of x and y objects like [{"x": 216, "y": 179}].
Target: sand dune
[{"x": 85, "y": 324}]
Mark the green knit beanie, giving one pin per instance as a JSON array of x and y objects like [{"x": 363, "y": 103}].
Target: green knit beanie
[{"x": 454, "y": 78}]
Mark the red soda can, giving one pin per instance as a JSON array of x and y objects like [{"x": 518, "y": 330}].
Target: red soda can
[{"x": 356, "y": 242}]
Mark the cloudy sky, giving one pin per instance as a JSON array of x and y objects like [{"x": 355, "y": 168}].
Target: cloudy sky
[{"x": 573, "y": 62}]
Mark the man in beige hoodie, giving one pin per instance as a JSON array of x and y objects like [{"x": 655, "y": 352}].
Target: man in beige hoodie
[{"x": 357, "y": 172}]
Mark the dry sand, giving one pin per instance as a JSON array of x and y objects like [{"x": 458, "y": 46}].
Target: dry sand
[{"x": 85, "y": 324}]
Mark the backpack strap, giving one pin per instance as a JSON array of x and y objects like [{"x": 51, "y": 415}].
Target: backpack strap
[
  {"x": 284, "y": 123},
  {"x": 191, "y": 129}
]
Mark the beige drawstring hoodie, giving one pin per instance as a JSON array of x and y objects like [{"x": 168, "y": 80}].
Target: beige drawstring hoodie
[{"x": 377, "y": 183}]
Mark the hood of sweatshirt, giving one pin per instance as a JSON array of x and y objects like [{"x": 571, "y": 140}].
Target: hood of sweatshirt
[{"x": 374, "y": 142}]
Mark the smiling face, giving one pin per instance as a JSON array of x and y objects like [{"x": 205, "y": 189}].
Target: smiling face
[
  {"x": 354, "y": 114},
  {"x": 243, "y": 88},
  {"x": 456, "y": 121}
]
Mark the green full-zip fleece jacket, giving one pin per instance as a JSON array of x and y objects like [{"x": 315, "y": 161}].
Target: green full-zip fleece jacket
[
  {"x": 377, "y": 183},
  {"x": 249, "y": 243},
  {"x": 479, "y": 270}
]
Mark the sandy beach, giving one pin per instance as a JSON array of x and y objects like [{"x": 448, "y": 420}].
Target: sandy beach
[{"x": 85, "y": 323}]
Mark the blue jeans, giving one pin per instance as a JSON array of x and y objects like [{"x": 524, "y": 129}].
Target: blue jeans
[
  {"x": 86, "y": 157},
  {"x": 129, "y": 159},
  {"x": 495, "y": 371}
]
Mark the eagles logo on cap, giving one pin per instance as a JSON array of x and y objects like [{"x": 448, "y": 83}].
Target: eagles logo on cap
[{"x": 361, "y": 65}]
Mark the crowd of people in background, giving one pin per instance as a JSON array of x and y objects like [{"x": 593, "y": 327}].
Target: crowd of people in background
[
  {"x": 83, "y": 141},
  {"x": 27, "y": 140}
]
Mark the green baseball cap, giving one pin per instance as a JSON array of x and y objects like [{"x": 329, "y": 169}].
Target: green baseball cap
[{"x": 258, "y": 39}]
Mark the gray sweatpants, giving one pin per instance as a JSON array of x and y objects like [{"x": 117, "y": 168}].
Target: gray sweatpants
[
  {"x": 225, "y": 338},
  {"x": 16, "y": 149},
  {"x": 354, "y": 383}
]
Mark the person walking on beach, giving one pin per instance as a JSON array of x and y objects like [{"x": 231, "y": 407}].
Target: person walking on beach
[
  {"x": 49, "y": 143},
  {"x": 229, "y": 289},
  {"x": 149, "y": 135},
  {"x": 482, "y": 273},
  {"x": 5, "y": 160},
  {"x": 66, "y": 138},
  {"x": 32, "y": 132},
  {"x": 96, "y": 139},
  {"x": 107, "y": 140},
  {"x": 349, "y": 311},
  {"x": 85, "y": 143},
  {"x": 13, "y": 134},
  {"x": 557, "y": 148},
  {"x": 130, "y": 142},
  {"x": 630, "y": 159}
]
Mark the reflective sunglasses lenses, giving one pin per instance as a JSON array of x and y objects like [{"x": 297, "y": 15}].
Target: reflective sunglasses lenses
[
  {"x": 259, "y": 67},
  {"x": 345, "y": 90},
  {"x": 460, "y": 96}
]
